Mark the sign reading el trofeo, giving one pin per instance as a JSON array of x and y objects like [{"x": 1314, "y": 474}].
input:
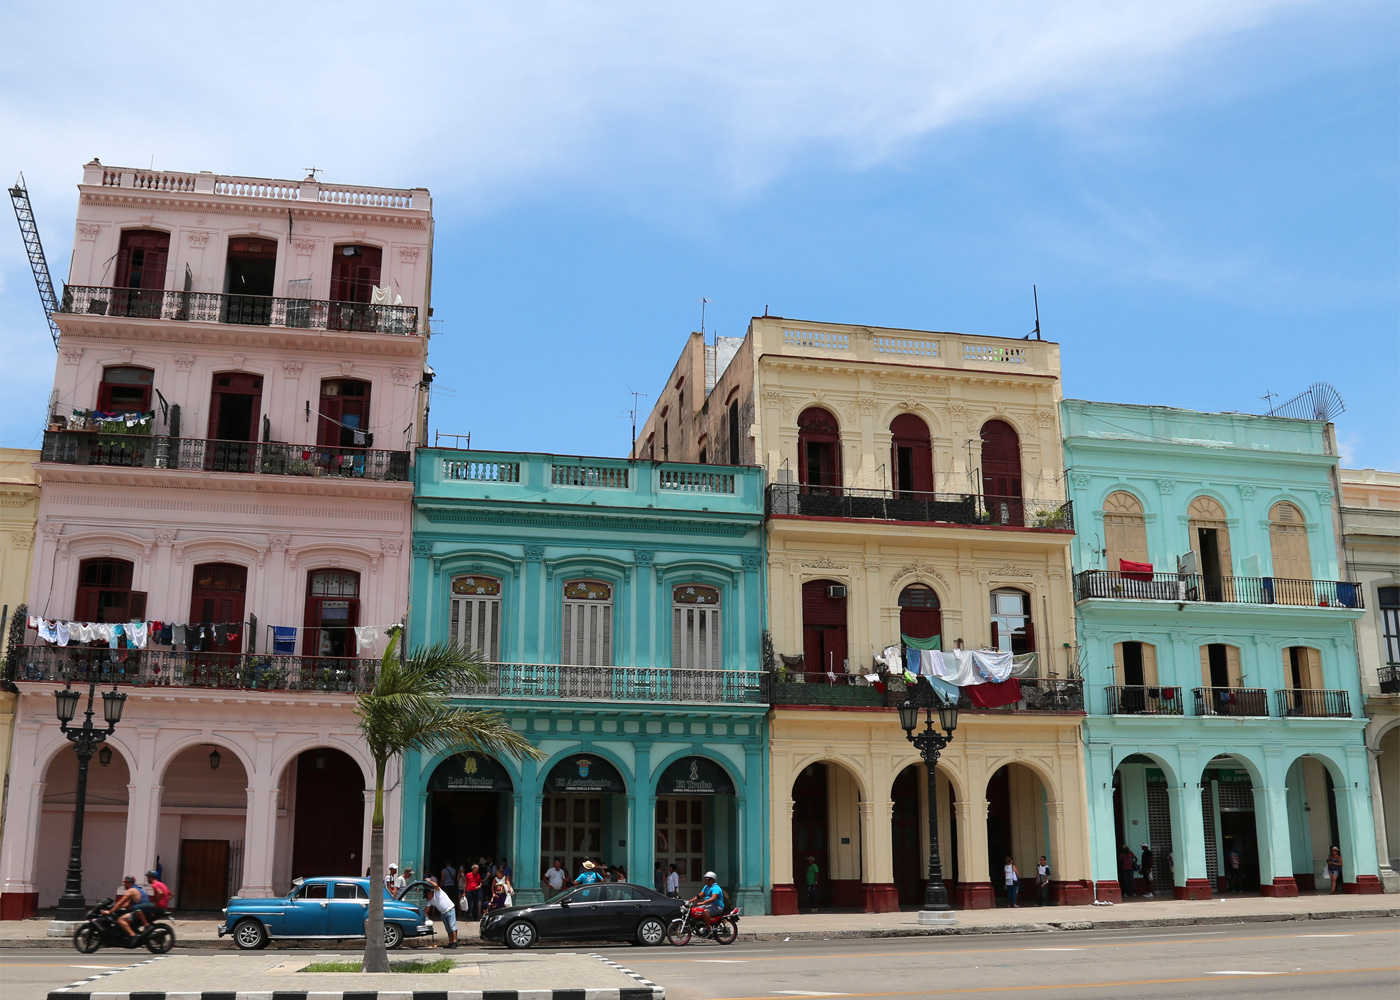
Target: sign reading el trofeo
[{"x": 694, "y": 776}]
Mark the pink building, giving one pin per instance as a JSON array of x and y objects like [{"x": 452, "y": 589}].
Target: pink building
[{"x": 239, "y": 388}]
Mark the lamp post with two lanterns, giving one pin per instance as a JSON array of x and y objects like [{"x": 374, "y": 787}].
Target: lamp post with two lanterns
[
  {"x": 85, "y": 739},
  {"x": 930, "y": 743}
]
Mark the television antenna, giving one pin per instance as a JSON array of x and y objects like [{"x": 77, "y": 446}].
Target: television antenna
[
  {"x": 703, "y": 303},
  {"x": 636, "y": 400},
  {"x": 1319, "y": 401}
]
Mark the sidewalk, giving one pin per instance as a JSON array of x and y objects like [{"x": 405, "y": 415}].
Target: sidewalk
[{"x": 200, "y": 931}]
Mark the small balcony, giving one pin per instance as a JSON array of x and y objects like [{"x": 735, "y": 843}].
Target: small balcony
[
  {"x": 1390, "y": 679},
  {"x": 185, "y": 669},
  {"x": 1238, "y": 703},
  {"x": 1199, "y": 588},
  {"x": 239, "y": 310},
  {"x": 1298, "y": 703},
  {"x": 1038, "y": 694},
  {"x": 245, "y": 457},
  {"x": 1133, "y": 699},
  {"x": 906, "y": 505},
  {"x": 556, "y": 683}
]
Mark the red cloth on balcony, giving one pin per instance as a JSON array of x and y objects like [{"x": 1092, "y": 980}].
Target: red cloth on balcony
[
  {"x": 993, "y": 694},
  {"x": 1135, "y": 570}
]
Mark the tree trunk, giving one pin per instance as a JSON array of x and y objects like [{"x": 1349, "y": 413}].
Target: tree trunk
[{"x": 376, "y": 955}]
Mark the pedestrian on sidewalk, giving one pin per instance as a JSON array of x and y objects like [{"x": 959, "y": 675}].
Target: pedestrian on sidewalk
[
  {"x": 1042, "y": 881},
  {"x": 447, "y": 910},
  {"x": 394, "y": 882},
  {"x": 1234, "y": 871},
  {"x": 673, "y": 882},
  {"x": 658, "y": 878},
  {"x": 812, "y": 873},
  {"x": 556, "y": 878},
  {"x": 471, "y": 892},
  {"x": 1127, "y": 865},
  {"x": 1013, "y": 881},
  {"x": 447, "y": 879},
  {"x": 1146, "y": 866},
  {"x": 1334, "y": 867}
]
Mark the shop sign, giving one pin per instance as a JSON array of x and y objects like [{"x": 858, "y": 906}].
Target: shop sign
[
  {"x": 1232, "y": 776},
  {"x": 470, "y": 773},
  {"x": 1155, "y": 776},
  {"x": 584, "y": 775},
  {"x": 694, "y": 776}
]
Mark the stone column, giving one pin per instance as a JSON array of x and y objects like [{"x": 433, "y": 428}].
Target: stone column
[
  {"x": 1271, "y": 820},
  {"x": 785, "y": 898},
  {"x": 1103, "y": 859},
  {"x": 876, "y": 865},
  {"x": 1188, "y": 843},
  {"x": 260, "y": 833},
  {"x": 974, "y": 891},
  {"x": 142, "y": 823}
]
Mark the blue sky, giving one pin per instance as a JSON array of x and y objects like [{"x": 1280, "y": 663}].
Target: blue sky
[{"x": 1206, "y": 194}]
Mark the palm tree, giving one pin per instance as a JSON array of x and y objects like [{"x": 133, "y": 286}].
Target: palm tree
[{"x": 410, "y": 708}]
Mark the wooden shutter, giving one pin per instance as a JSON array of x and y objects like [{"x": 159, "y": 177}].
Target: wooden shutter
[
  {"x": 695, "y": 637},
  {"x": 476, "y": 624},
  {"x": 1232, "y": 659},
  {"x": 1288, "y": 542},
  {"x": 1119, "y": 674},
  {"x": 1149, "y": 664},
  {"x": 1205, "y": 666},
  {"x": 588, "y": 633}
]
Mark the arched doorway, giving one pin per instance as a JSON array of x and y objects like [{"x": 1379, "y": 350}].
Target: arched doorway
[
  {"x": 1210, "y": 541},
  {"x": 911, "y": 455},
  {"x": 826, "y": 828},
  {"x": 1017, "y": 825},
  {"x": 824, "y": 648},
  {"x": 322, "y": 831},
  {"x": 250, "y": 272},
  {"x": 1001, "y": 473},
  {"x": 697, "y": 824},
  {"x": 203, "y": 820},
  {"x": 1142, "y": 819},
  {"x": 909, "y": 834},
  {"x": 583, "y": 813},
  {"x": 818, "y": 451},
  {"x": 1313, "y": 825},
  {"x": 469, "y": 814},
  {"x": 1230, "y": 828},
  {"x": 104, "y": 824},
  {"x": 920, "y": 615}
]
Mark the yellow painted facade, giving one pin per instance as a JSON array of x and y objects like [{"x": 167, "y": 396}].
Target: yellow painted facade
[{"x": 740, "y": 402}]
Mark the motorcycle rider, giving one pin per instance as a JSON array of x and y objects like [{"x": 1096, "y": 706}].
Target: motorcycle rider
[
  {"x": 711, "y": 897},
  {"x": 131, "y": 896},
  {"x": 158, "y": 898}
]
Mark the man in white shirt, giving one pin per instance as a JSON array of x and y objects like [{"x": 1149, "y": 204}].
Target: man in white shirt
[
  {"x": 395, "y": 882},
  {"x": 556, "y": 877},
  {"x": 441, "y": 902},
  {"x": 673, "y": 883}
]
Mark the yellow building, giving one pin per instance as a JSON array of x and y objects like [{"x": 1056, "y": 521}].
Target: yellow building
[
  {"x": 916, "y": 489},
  {"x": 19, "y": 509}
]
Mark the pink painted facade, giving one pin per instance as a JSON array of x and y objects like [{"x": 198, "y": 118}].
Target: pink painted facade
[{"x": 266, "y": 341}]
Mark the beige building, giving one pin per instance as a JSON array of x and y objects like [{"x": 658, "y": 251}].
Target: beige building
[
  {"x": 915, "y": 489},
  {"x": 1370, "y": 510},
  {"x": 19, "y": 508}
]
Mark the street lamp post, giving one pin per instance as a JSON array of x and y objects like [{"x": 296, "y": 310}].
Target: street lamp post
[
  {"x": 72, "y": 905},
  {"x": 930, "y": 743}
]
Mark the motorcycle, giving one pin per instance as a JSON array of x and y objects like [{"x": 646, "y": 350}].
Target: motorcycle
[
  {"x": 101, "y": 929},
  {"x": 691, "y": 922}
]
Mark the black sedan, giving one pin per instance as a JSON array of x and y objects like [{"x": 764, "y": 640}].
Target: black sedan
[{"x": 610, "y": 911}]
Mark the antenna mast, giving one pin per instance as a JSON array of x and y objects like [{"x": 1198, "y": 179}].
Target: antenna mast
[
  {"x": 29, "y": 232},
  {"x": 1036, "y": 295},
  {"x": 703, "y": 303},
  {"x": 635, "y": 399}
]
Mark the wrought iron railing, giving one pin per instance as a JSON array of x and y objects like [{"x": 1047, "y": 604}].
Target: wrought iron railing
[
  {"x": 242, "y": 310},
  {"x": 1302, "y": 703},
  {"x": 1038, "y": 694},
  {"x": 1133, "y": 699},
  {"x": 790, "y": 689},
  {"x": 182, "y": 668},
  {"x": 1235, "y": 702},
  {"x": 1216, "y": 590},
  {"x": 655, "y": 685},
  {"x": 197, "y": 454},
  {"x": 1390, "y": 679},
  {"x": 909, "y": 505}
]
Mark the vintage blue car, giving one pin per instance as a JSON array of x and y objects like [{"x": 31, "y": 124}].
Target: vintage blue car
[{"x": 325, "y": 907}]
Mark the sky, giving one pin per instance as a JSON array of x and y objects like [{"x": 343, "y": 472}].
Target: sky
[{"x": 1205, "y": 193}]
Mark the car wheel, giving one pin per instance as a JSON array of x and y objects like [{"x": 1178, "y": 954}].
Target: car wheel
[
  {"x": 651, "y": 932},
  {"x": 87, "y": 939},
  {"x": 393, "y": 936},
  {"x": 161, "y": 939},
  {"x": 678, "y": 933},
  {"x": 726, "y": 932},
  {"x": 520, "y": 934},
  {"x": 249, "y": 934}
]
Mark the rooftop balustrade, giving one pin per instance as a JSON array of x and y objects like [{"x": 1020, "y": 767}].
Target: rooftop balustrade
[
  {"x": 788, "y": 499},
  {"x": 1197, "y": 587},
  {"x": 263, "y": 188},
  {"x": 244, "y": 457}
]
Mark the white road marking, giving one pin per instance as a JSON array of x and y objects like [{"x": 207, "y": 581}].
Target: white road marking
[
  {"x": 97, "y": 966},
  {"x": 1322, "y": 935},
  {"x": 808, "y": 993},
  {"x": 1054, "y": 949},
  {"x": 1237, "y": 972},
  {"x": 721, "y": 961}
]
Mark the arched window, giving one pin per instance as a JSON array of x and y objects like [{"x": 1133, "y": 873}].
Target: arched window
[
  {"x": 911, "y": 454},
  {"x": 696, "y": 640},
  {"x": 332, "y": 612},
  {"x": 734, "y": 457},
  {"x": 125, "y": 389},
  {"x": 919, "y": 614},
  {"x": 824, "y": 627},
  {"x": 818, "y": 450},
  {"x": 588, "y": 623},
  {"x": 1288, "y": 542},
  {"x": 1012, "y": 628},
  {"x": 1210, "y": 540},
  {"x": 1124, "y": 531},
  {"x": 1001, "y": 473},
  {"x": 475, "y": 622},
  {"x": 216, "y": 598},
  {"x": 105, "y": 594}
]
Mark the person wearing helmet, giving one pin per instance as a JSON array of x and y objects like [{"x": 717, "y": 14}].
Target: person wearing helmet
[{"x": 711, "y": 897}]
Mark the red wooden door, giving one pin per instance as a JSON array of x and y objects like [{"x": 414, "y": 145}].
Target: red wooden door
[
  {"x": 818, "y": 450},
  {"x": 919, "y": 614},
  {"x": 125, "y": 389},
  {"x": 140, "y": 273},
  {"x": 1001, "y": 472},
  {"x": 104, "y": 592},
  {"x": 911, "y": 454},
  {"x": 823, "y": 628},
  {"x": 217, "y": 598},
  {"x": 235, "y": 404},
  {"x": 344, "y": 421},
  {"x": 355, "y": 273}
]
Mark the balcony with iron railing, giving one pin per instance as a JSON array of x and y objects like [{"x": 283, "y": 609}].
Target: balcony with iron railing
[
  {"x": 1038, "y": 694},
  {"x": 556, "y": 683},
  {"x": 1302, "y": 703},
  {"x": 239, "y": 310},
  {"x": 1238, "y": 703},
  {"x": 1205, "y": 589},
  {"x": 853, "y": 503},
  {"x": 189, "y": 669},
  {"x": 1142, "y": 699},
  {"x": 1390, "y": 679},
  {"x": 78, "y": 447}
]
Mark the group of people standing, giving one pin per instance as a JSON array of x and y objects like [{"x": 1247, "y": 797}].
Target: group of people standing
[
  {"x": 556, "y": 877},
  {"x": 1011, "y": 875}
]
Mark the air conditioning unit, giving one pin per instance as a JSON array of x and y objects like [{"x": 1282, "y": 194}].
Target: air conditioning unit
[{"x": 837, "y": 592}]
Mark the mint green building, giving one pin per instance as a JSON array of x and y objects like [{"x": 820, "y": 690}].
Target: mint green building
[
  {"x": 1215, "y": 625},
  {"x": 621, "y": 606}
]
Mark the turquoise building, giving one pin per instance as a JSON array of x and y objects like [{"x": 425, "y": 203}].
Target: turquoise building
[
  {"x": 1225, "y": 711},
  {"x": 621, "y": 606}
]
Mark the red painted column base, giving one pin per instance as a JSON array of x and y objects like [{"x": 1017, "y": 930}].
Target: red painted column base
[
  {"x": 1365, "y": 885},
  {"x": 880, "y": 897},
  {"x": 1195, "y": 888},
  {"x": 1077, "y": 893},
  {"x": 1283, "y": 886},
  {"x": 1306, "y": 882},
  {"x": 784, "y": 900},
  {"x": 18, "y": 905},
  {"x": 974, "y": 896},
  {"x": 1108, "y": 890}
]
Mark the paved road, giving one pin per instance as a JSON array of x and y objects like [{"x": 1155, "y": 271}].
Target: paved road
[{"x": 1341, "y": 959}]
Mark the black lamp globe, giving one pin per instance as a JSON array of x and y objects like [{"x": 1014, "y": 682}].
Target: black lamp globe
[
  {"x": 948, "y": 716},
  {"x": 113, "y": 702},
  {"x": 66, "y": 704},
  {"x": 908, "y": 715}
]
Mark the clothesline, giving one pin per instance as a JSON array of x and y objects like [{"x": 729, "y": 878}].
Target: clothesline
[
  {"x": 195, "y": 637},
  {"x": 986, "y": 673}
]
